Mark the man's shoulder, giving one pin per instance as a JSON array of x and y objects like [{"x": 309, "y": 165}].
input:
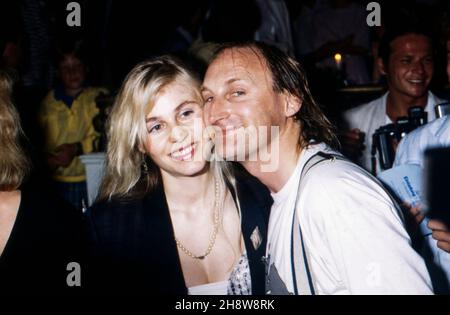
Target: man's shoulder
[
  {"x": 411, "y": 148},
  {"x": 332, "y": 171},
  {"x": 431, "y": 129},
  {"x": 362, "y": 111}
]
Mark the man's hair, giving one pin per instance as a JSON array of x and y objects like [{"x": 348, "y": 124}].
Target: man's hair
[
  {"x": 288, "y": 76},
  {"x": 385, "y": 49},
  {"x": 14, "y": 165}
]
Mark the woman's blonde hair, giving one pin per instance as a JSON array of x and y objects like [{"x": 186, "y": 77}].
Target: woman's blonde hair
[
  {"x": 14, "y": 165},
  {"x": 128, "y": 170}
]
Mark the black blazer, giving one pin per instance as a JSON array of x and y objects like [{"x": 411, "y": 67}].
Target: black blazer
[{"x": 133, "y": 249}]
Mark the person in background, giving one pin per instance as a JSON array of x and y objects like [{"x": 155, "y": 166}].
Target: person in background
[
  {"x": 39, "y": 234},
  {"x": 341, "y": 27},
  {"x": 65, "y": 116},
  {"x": 436, "y": 247},
  {"x": 275, "y": 28},
  {"x": 406, "y": 58}
]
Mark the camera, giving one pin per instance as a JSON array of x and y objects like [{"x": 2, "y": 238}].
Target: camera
[{"x": 386, "y": 138}]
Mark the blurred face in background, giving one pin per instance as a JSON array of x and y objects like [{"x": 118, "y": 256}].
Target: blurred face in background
[
  {"x": 410, "y": 67},
  {"x": 72, "y": 72}
]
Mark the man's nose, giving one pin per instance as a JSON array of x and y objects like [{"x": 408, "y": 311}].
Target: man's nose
[
  {"x": 419, "y": 67},
  {"x": 218, "y": 110}
]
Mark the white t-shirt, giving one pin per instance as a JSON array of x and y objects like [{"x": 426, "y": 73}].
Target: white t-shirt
[
  {"x": 355, "y": 238},
  {"x": 371, "y": 116}
]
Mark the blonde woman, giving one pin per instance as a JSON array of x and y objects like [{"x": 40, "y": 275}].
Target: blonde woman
[
  {"x": 39, "y": 236},
  {"x": 167, "y": 221}
]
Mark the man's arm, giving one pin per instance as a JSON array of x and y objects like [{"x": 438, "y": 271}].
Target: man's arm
[{"x": 355, "y": 219}]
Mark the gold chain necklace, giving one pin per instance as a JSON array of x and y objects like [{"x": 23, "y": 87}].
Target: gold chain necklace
[{"x": 212, "y": 239}]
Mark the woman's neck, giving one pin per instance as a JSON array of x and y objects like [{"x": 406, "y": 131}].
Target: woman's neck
[
  {"x": 9, "y": 206},
  {"x": 189, "y": 194}
]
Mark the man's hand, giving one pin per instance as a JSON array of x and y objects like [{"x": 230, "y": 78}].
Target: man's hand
[
  {"x": 441, "y": 234},
  {"x": 352, "y": 143},
  {"x": 440, "y": 231}
]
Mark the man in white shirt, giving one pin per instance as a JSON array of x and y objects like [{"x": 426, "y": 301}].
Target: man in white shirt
[
  {"x": 433, "y": 135},
  {"x": 406, "y": 58},
  {"x": 351, "y": 228},
  {"x": 436, "y": 247}
]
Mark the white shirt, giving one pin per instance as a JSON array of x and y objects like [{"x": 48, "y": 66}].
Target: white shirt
[
  {"x": 214, "y": 288},
  {"x": 411, "y": 151},
  {"x": 412, "y": 148},
  {"x": 371, "y": 116},
  {"x": 351, "y": 229}
]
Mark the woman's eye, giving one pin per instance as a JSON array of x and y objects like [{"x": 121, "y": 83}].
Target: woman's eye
[
  {"x": 208, "y": 99},
  {"x": 155, "y": 128},
  {"x": 186, "y": 113},
  {"x": 405, "y": 61}
]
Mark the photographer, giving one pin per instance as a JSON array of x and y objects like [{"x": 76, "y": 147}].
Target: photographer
[{"x": 406, "y": 59}]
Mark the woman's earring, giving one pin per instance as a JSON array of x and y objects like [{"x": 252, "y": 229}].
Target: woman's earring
[{"x": 144, "y": 166}]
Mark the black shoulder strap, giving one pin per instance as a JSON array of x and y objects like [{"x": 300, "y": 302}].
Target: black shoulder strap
[{"x": 301, "y": 273}]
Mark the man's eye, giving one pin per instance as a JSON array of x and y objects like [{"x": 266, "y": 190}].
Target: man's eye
[
  {"x": 405, "y": 61},
  {"x": 238, "y": 93}
]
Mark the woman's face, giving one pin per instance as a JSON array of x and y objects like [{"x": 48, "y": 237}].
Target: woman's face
[{"x": 174, "y": 132}]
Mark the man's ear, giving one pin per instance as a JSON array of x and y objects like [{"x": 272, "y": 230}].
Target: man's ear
[
  {"x": 292, "y": 104},
  {"x": 380, "y": 65}
]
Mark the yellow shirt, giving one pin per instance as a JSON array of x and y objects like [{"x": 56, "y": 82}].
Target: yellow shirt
[{"x": 70, "y": 125}]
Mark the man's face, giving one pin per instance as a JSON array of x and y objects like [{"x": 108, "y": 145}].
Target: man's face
[
  {"x": 448, "y": 60},
  {"x": 72, "y": 72},
  {"x": 238, "y": 94},
  {"x": 410, "y": 66}
]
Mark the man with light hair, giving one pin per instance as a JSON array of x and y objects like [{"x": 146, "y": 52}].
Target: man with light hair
[{"x": 333, "y": 229}]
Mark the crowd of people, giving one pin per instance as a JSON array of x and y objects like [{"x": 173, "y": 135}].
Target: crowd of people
[{"x": 223, "y": 175}]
